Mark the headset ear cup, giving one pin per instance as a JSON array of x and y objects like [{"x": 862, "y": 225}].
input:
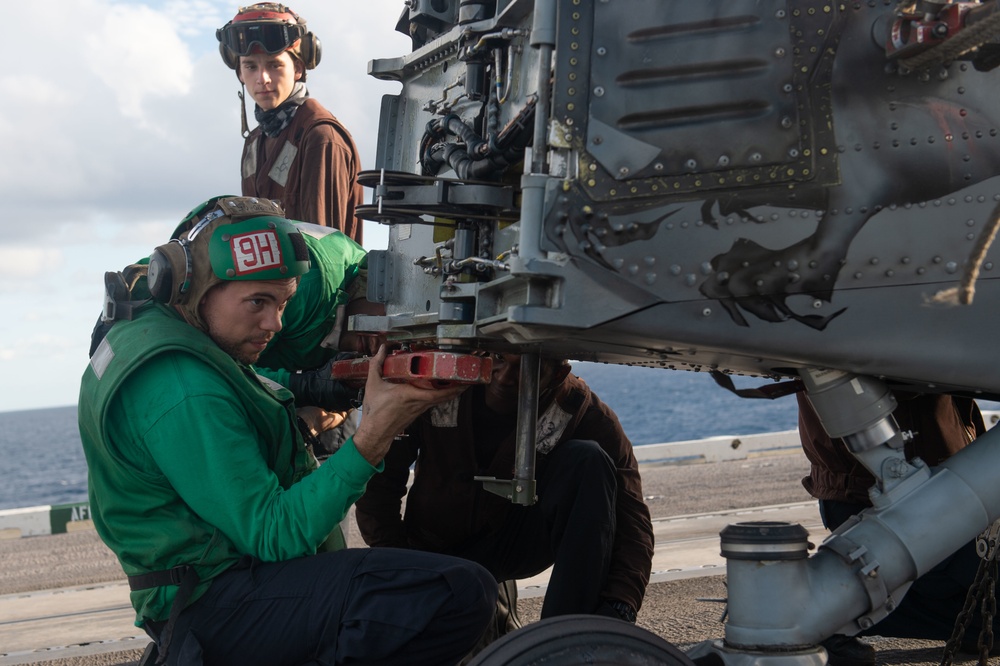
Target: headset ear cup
[
  {"x": 169, "y": 274},
  {"x": 311, "y": 50},
  {"x": 159, "y": 276},
  {"x": 229, "y": 57}
]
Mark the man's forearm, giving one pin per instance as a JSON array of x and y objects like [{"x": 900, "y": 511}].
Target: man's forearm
[
  {"x": 389, "y": 408},
  {"x": 373, "y": 441}
]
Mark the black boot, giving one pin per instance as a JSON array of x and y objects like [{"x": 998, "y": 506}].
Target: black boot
[{"x": 848, "y": 651}]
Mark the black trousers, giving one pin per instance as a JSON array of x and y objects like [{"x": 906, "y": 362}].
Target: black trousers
[
  {"x": 355, "y": 606},
  {"x": 570, "y": 528},
  {"x": 934, "y": 600}
]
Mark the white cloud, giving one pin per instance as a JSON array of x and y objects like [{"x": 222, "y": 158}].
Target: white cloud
[
  {"x": 196, "y": 18},
  {"x": 26, "y": 263},
  {"x": 41, "y": 91},
  {"x": 137, "y": 53}
]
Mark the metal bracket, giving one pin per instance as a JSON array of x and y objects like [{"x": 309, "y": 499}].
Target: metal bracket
[
  {"x": 521, "y": 490},
  {"x": 987, "y": 542},
  {"x": 518, "y": 491},
  {"x": 881, "y": 602}
]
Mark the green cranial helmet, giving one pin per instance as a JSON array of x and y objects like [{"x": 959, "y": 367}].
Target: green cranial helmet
[
  {"x": 228, "y": 238},
  {"x": 205, "y": 207},
  {"x": 261, "y": 248}
]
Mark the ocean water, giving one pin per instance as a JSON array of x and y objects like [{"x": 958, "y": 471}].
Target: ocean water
[
  {"x": 42, "y": 462},
  {"x": 656, "y": 405}
]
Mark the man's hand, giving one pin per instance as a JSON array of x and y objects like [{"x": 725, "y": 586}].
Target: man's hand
[
  {"x": 388, "y": 408},
  {"x": 319, "y": 420}
]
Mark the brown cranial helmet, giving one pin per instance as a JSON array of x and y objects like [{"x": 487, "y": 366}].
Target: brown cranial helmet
[
  {"x": 269, "y": 27},
  {"x": 229, "y": 238}
]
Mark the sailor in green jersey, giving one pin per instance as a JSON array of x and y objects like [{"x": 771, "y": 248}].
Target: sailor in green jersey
[
  {"x": 201, "y": 484},
  {"x": 314, "y": 331}
]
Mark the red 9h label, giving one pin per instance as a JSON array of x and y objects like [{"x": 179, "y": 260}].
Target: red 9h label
[{"x": 255, "y": 251}]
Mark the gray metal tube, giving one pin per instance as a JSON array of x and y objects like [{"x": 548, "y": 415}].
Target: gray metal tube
[
  {"x": 782, "y": 604},
  {"x": 527, "y": 417},
  {"x": 543, "y": 23},
  {"x": 848, "y": 404},
  {"x": 543, "y": 38},
  {"x": 529, "y": 242}
]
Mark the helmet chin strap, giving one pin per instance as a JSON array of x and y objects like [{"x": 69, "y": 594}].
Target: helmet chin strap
[{"x": 243, "y": 111}]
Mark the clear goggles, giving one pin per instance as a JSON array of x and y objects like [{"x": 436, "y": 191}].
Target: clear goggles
[{"x": 273, "y": 37}]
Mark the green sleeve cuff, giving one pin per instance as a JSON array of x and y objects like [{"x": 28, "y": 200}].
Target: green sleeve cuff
[
  {"x": 353, "y": 467},
  {"x": 280, "y": 376}
]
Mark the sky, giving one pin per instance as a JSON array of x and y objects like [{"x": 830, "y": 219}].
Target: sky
[{"x": 120, "y": 118}]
